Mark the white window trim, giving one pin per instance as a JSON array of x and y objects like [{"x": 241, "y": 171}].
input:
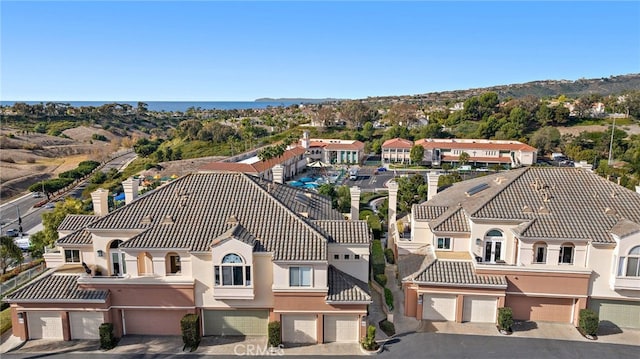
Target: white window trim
[
  {"x": 310, "y": 277},
  {"x": 71, "y": 250},
  {"x": 437, "y": 244},
  {"x": 244, "y": 265}
]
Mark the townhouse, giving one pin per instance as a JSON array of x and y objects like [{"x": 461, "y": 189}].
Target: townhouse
[
  {"x": 544, "y": 241},
  {"x": 235, "y": 249},
  {"x": 438, "y": 151},
  {"x": 333, "y": 151}
]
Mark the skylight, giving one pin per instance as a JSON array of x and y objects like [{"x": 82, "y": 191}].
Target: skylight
[{"x": 476, "y": 189}]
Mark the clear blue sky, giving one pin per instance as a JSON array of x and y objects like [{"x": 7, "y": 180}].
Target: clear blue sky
[{"x": 224, "y": 51}]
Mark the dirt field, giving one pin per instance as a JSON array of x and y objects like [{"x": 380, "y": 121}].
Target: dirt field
[{"x": 576, "y": 130}]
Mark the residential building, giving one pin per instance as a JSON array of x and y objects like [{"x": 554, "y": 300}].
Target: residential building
[
  {"x": 544, "y": 241},
  {"x": 438, "y": 151},
  {"x": 333, "y": 151},
  {"x": 235, "y": 249}
]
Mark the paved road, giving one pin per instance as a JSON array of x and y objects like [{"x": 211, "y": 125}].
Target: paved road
[{"x": 436, "y": 345}]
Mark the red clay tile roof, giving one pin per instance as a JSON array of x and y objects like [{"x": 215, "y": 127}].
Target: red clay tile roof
[
  {"x": 257, "y": 167},
  {"x": 479, "y": 159},
  {"x": 397, "y": 143},
  {"x": 515, "y": 146}
]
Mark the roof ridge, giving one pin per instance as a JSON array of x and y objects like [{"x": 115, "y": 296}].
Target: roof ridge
[
  {"x": 443, "y": 219},
  {"x": 286, "y": 208}
]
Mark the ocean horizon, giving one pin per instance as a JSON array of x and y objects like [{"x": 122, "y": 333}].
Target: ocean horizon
[{"x": 182, "y": 106}]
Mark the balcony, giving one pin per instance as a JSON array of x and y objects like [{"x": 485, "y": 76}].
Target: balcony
[
  {"x": 626, "y": 283},
  {"x": 233, "y": 292}
]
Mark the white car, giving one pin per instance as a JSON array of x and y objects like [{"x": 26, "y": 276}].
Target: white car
[{"x": 23, "y": 243}]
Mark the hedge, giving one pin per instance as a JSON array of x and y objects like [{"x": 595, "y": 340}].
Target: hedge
[
  {"x": 388, "y": 253},
  {"x": 588, "y": 322},
  {"x": 387, "y": 327},
  {"x": 369, "y": 342},
  {"x": 107, "y": 340},
  {"x": 381, "y": 279},
  {"x": 388, "y": 298},
  {"x": 274, "y": 334},
  {"x": 190, "y": 331},
  {"x": 377, "y": 258},
  {"x": 505, "y": 318}
]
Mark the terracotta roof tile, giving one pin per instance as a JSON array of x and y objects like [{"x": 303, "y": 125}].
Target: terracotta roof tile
[
  {"x": 57, "y": 287},
  {"x": 345, "y": 288},
  {"x": 457, "y": 272},
  {"x": 397, "y": 143},
  {"x": 73, "y": 222}
]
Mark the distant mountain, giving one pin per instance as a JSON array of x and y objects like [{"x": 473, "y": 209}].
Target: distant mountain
[
  {"x": 545, "y": 88},
  {"x": 298, "y": 100}
]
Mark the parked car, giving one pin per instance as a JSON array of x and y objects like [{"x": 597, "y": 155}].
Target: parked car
[
  {"x": 12, "y": 232},
  {"x": 382, "y": 169},
  {"x": 36, "y": 195}
]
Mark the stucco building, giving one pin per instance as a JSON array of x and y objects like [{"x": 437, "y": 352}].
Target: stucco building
[
  {"x": 544, "y": 241},
  {"x": 237, "y": 250}
]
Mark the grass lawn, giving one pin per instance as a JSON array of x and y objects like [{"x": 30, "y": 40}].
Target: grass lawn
[{"x": 5, "y": 320}]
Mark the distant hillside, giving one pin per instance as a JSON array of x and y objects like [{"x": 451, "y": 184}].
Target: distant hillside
[
  {"x": 298, "y": 100},
  {"x": 545, "y": 88}
]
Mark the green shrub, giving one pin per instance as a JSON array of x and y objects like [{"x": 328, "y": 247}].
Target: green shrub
[
  {"x": 369, "y": 342},
  {"x": 588, "y": 322},
  {"x": 107, "y": 340},
  {"x": 388, "y": 253},
  {"x": 381, "y": 279},
  {"x": 377, "y": 258},
  {"x": 190, "y": 331},
  {"x": 387, "y": 327},
  {"x": 505, "y": 318},
  {"x": 5, "y": 320},
  {"x": 388, "y": 298},
  {"x": 274, "y": 334}
]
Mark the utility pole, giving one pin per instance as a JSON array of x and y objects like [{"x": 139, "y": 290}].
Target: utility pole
[{"x": 610, "y": 162}]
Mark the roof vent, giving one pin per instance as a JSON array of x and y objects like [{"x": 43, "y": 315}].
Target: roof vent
[
  {"x": 614, "y": 194},
  {"x": 544, "y": 210},
  {"x": 610, "y": 211},
  {"x": 232, "y": 219},
  {"x": 146, "y": 219},
  {"x": 527, "y": 209},
  {"x": 499, "y": 179},
  {"x": 168, "y": 219}
]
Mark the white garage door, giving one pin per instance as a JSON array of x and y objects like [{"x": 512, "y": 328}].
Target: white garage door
[
  {"x": 341, "y": 328},
  {"x": 44, "y": 325},
  {"x": 438, "y": 307},
  {"x": 299, "y": 328},
  {"x": 479, "y": 309},
  {"x": 85, "y": 325}
]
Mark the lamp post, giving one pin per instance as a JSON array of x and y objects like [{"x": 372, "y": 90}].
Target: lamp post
[{"x": 19, "y": 218}]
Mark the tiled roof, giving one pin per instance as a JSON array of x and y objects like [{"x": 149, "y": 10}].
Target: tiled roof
[
  {"x": 552, "y": 203},
  {"x": 457, "y": 273},
  {"x": 409, "y": 265},
  {"x": 200, "y": 205},
  {"x": 237, "y": 232},
  {"x": 57, "y": 287},
  {"x": 478, "y": 145},
  {"x": 501, "y": 159},
  {"x": 345, "y": 288},
  {"x": 397, "y": 143},
  {"x": 346, "y": 232},
  {"x": 257, "y": 167},
  {"x": 625, "y": 228},
  {"x": 356, "y": 145},
  {"x": 455, "y": 221},
  {"x": 74, "y": 222},
  {"x": 427, "y": 212},
  {"x": 80, "y": 236}
]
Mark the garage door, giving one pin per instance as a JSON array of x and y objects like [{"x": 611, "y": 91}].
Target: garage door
[
  {"x": 299, "y": 328},
  {"x": 341, "y": 328},
  {"x": 621, "y": 313},
  {"x": 438, "y": 307},
  {"x": 85, "y": 325},
  {"x": 541, "y": 309},
  {"x": 153, "y": 322},
  {"x": 44, "y": 325},
  {"x": 479, "y": 309},
  {"x": 235, "y": 322}
]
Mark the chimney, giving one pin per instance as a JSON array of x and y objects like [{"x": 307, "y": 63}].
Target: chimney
[
  {"x": 432, "y": 179},
  {"x": 305, "y": 140},
  {"x": 130, "y": 186},
  {"x": 355, "y": 203},
  {"x": 100, "y": 198},
  {"x": 393, "y": 201},
  {"x": 278, "y": 173},
  {"x": 638, "y": 189}
]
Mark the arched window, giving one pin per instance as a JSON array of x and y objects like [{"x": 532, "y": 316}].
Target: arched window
[
  {"x": 173, "y": 263},
  {"x": 494, "y": 233},
  {"x": 233, "y": 271},
  {"x": 493, "y": 243},
  {"x": 566, "y": 253},
  {"x": 632, "y": 268},
  {"x": 540, "y": 252}
]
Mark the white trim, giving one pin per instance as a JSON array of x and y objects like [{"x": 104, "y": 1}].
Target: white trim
[
  {"x": 547, "y": 295},
  {"x": 149, "y": 307},
  {"x": 322, "y": 313},
  {"x": 462, "y": 293}
]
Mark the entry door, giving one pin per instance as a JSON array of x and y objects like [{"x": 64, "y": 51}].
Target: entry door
[
  {"x": 492, "y": 251},
  {"x": 118, "y": 265}
]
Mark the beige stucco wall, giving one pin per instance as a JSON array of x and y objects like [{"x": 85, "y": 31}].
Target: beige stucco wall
[
  {"x": 603, "y": 260},
  {"x": 480, "y": 229},
  {"x": 358, "y": 268},
  {"x": 420, "y": 232},
  {"x": 318, "y": 276},
  {"x": 527, "y": 254}
]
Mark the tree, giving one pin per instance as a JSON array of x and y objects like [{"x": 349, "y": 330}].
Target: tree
[
  {"x": 463, "y": 159},
  {"x": 545, "y": 139},
  {"x": 10, "y": 253},
  {"x": 416, "y": 154},
  {"x": 403, "y": 114},
  {"x": 51, "y": 221},
  {"x": 411, "y": 190},
  {"x": 355, "y": 113}
]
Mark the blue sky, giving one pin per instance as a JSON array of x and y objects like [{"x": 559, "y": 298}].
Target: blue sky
[{"x": 225, "y": 51}]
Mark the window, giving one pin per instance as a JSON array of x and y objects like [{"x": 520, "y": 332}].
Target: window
[
  {"x": 336, "y": 256},
  {"x": 444, "y": 243},
  {"x": 356, "y": 256},
  {"x": 72, "y": 255},
  {"x": 173, "y": 261},
  {"x": 300, "y": 277},
  {"x": 232, "y": 272},
  {"x": 540, "y": 253},
  {"x": 632, "y": 263},
  {"x": 346, "y": 256},
  {"x": 566, "y": 254}
]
